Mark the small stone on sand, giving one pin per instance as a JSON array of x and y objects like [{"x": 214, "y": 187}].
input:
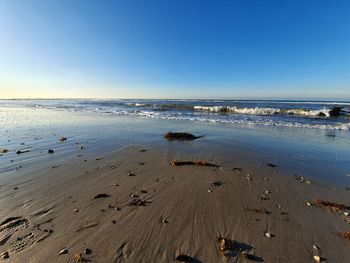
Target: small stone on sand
[{"x": 63, "y": 251}]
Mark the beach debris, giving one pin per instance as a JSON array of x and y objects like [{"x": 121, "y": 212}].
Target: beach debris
[
  {"x": 333, "y": 207},
  {"x": 88, "y": 225},
  {"x": 62, "y": 139},
  {"x": 217, "y": 183},
  {"x": 317, "y": 258},
  {"x": 50, "y": 151},
  {"x": 4, "y": 255},
  {"x": 184, "y": 258},
  {"x": 164, "y": 220},
  {"x": 143, "y": 191},
  {"x": 252, "y": 257},
  {"x": 225, "y": 245},
  {"x": 308, "y": 203},
  {"x": 41, "y": 238},
  {"x": 209, "y": 191},
  {"x": 259, "y": 211},
  {"x": 143, "y": 150},
  {"x": 346, "y": 213},
  {"x": 20, "y": 152},
  {"x": 267, "y": 192},
  {"x": 302, "y": 179},
  {"x": 269, "y": 235},
  {"x": 248, "y": 177},
  {"x": 180, "y": 136},
  {"x": 75, "y": 210},
  {"x": 110, "y": 206},
  {"x": 138, "y": 202},
  {"x": 272, "y": 165},
  {"x": 118, "y": 208},
  {"x": 237, "y": 169},
  {"x": 131, "y": 174},
  {"x": 101, "y": 196},
  {"x": 116, "y": 185},
  {"x": 81, "y": 147},
  {"x": 114, "y": 221},
  {"x": 196, "y": 163},
  {"x": 264, "y": 197},
  {"x": 346, "y": 235},
  {"x": 87, "y": 251},
  {"x": 78, "y": 258},
  {"x": 134, "y": 196},
  {"x": 3, "y": 150},
  {"x": 278, "y": 206},
  {"x": 63, "y": 251}
]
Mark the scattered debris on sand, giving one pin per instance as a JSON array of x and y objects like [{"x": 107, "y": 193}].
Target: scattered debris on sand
[
  {"x": 50, "y": 151},
  {"x": 180, "y": 136},
  {"x": 302, "y": 179},
  {"x": 272, "y": 165},
  {"x": 256, "y": 210},
  {"x": 3, "y": 150},
  {"x": 184, "y": 258},
  {"x": 20, "y": 152},
  {"x": 196, "y": 163},
  {"x": 217, "y": 183},
  {"x": 334, "y": 207},
  {"x": 138, "y": 202},
  {"x": 4, "y": 255},
  {"x": 63, "y": 251},
  {"x": 88, "y": 225},
  {"x": 269, "y": 235},
  {"x": 346, "y": 235},
  {"x": 62, "y": 139},
  {"x": 101, "y": 196}
]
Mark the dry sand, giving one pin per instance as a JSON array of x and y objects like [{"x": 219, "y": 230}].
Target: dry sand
[{"x": 154, "y": 212}]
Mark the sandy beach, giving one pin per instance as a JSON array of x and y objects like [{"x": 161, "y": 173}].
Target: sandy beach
[
  {"x": 133, "y": 205},
  {"x": 84, "y": 187}
]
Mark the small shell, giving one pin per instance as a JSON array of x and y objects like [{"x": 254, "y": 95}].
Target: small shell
[
  {"x": 317, "y": 258},
  {"x": 63, "y": 251}
]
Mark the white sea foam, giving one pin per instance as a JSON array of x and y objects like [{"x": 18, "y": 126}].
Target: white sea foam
[{"x": 263, "y": 111}]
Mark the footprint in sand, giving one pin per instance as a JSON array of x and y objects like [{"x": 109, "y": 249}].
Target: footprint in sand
[{"x": 10, "y": 226}]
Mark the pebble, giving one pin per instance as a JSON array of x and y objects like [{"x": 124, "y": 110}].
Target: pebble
[
  {"x": 110, "y": 206},
  {"x": 267, "y": 192},
  {"x": 269, "y": 235},
  {"x": 114, "y": 222},
  {"x": 317, "y": 258},
  {"x": 209, "y": 191},
  {"x": 131, "y": 174},
  {"x": 87, "y": 251},
  {"x": 50, "y": 151},
  {"x": 75, "y": 210},
  {"x": 63, "y": 251},
  {"x": 346, "y": 213},
  {"x": 308, "y": 204}
]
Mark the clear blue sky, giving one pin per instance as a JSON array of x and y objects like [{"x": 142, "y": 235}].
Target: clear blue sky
[{"x": 195, "y": 49}]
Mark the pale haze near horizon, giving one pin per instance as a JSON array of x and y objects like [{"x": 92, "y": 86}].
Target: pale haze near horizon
[{"x": 231, "y": 50}]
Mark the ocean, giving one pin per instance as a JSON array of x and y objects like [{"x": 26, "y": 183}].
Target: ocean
[{"x": 279, "y": 113}]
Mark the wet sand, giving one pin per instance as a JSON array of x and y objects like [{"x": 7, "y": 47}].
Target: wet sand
[{"x": 132, "y": 205}]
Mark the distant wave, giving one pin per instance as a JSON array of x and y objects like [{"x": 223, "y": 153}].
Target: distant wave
[{"x": 264, "y": 111}]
